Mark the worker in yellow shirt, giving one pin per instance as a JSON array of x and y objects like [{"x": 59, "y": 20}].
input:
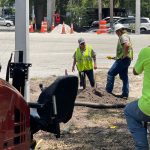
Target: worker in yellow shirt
[
  {"x": 85, "y": 60},
  {"x": 138, "y": 111}
]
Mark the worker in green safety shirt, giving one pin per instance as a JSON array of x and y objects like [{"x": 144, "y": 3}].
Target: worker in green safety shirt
[
  {"x": 138, "y": 111},
  {"x": 85, "y": 60},
  {"x": 124, "y": 56}
]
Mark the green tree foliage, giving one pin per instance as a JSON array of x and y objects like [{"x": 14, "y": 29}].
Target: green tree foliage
[
  {"x": 130, "y": 6},
  {"x": 61, "y": 7},
  {"x": 78, "y": 11},
  {"x": 6, "y": 2},
  {"x": 145, "y": 11}
]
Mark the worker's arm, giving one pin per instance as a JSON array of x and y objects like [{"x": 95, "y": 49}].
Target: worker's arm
[
  {"x": 134, "y": 72},
  {"x": 125, "y": 41},
  {"x": 94, "y": 59},
  {"x": 126, "y": 49},
  {"x": 73, "y": 65},
  {"x": 95, "y": 64},
  {"x": 74, "y": 62},
  {"x": 139, "y": 65}
]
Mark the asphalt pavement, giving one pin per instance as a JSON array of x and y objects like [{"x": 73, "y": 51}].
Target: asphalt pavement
[
  {"x": 7, "y": 29},
  {"x": 51, "y": 54}
]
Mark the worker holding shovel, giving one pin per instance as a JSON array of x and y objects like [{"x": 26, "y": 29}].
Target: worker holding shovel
[
  {"x": 85, "y": 60},
  {"x": 122, "y": 62}
]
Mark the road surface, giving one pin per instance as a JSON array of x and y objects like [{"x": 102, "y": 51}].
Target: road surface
[{"x": 51, "y": 53}]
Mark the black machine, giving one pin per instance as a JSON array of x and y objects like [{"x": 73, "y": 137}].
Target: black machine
[{"x": 55, "y": 103}]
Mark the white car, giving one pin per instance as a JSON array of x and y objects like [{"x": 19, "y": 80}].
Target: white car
[
  {"x": 115, "y": 18},
  {"x": 130, "y": 23},
  {"x": 5, "y": 22},
  {"x": 96, "y": 23}
]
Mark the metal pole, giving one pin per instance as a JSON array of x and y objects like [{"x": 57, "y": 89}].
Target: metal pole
[
  {"x": 100, "y": 9},
  {"x": 111, "y": 13},
  {"x": 138, "y": 16},
  {"x": 22, "y": 35},
  {"x": 50, "y": 12}
]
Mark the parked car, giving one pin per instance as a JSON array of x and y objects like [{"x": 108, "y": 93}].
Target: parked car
[
  {"x": 130, "y": 23},
  {"x": 96, "y": 23},
  {"x": 10, "y": 17},
  {"x": 4, "y": 22},
  {"x": 91, "y": 30},
  {"x": 115, "y": 18}
]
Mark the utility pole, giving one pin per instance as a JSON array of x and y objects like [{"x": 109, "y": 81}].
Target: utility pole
[
  {"x": 50, "y": 12},
  {"x": 22, "y": 36},
  {"x": 100, "y": 10},
  {"x": 138, "y": 17},
  {"x": 111, "y": 12}
]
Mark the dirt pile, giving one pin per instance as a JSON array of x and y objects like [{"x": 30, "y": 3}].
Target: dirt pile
[
  {"x": 98, "y": 95},
  {"x": 58, "y": 29}
]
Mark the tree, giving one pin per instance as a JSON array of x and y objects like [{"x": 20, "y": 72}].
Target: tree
[
  {"x": 40, "y": 11},
  {"x": 78, "y": 11},
  {"x": 6, "y": 2},
  {"x": 61, "y": 7}
]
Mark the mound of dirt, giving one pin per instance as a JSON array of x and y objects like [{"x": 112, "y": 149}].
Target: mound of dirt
[
  {"x": 98, "y": 95},
  {"x": 58, "y": 28}
]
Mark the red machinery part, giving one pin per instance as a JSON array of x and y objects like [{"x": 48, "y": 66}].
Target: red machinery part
[{"x": 14, "y": 119}]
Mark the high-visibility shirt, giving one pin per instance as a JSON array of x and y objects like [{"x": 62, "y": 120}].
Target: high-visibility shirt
[
  {"x": 84, "y": 60},
  {"x": 143, "y": 65},
  {"x": 120, "y": 50}
]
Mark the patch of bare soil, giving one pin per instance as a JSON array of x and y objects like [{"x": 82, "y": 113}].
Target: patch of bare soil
[{"x": 91, "y": 129}]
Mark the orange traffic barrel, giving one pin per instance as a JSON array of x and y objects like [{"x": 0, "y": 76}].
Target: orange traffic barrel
[{"x": 102, "y": 27}]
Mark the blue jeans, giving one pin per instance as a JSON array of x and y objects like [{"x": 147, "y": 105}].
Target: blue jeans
[
  {"x": 135, "y": 118},
  {"x": 120, "y": 67},
  {"x": 90, "y": 75}
]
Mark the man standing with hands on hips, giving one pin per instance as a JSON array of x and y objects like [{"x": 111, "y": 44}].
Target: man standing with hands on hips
[{"x": 85, "y": 60}]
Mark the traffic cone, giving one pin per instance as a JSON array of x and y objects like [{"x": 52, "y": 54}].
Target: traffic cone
[
  {"x": 63, "y": 29},
  {"x": 45, "y": 26},
  {"x": 71, "y": 29},
  {"x": 52, "y": 27},
  {"x": 31, "y": 28},
  {"x": 42, "y": 27}
]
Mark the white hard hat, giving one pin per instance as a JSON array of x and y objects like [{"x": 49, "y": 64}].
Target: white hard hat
[
  {"x": 118, "y": 27},
  {"x": 81, "y": 40}
]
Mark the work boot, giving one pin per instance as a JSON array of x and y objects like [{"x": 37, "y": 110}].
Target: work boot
[{"x": 122, "y": 96}]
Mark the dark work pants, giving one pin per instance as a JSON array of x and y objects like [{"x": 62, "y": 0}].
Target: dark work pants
[
  {"x": 120, "y": 67},
  {"x": 90, "y": 75}
]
